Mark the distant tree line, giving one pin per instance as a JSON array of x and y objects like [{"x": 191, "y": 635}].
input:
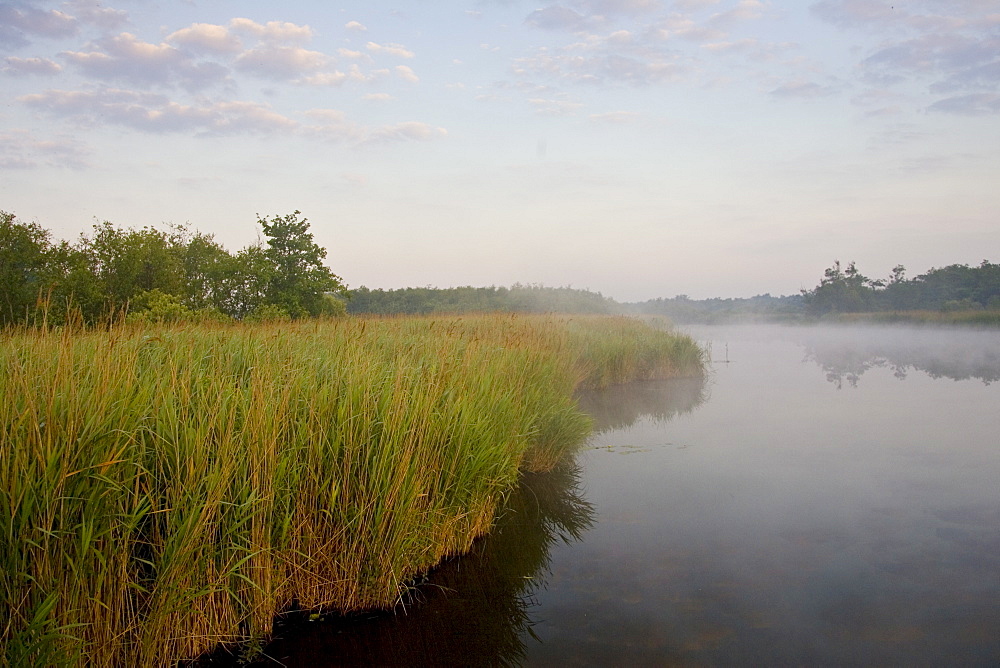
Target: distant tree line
[
  {"x": 517, "y": 298},
  {"x": 957, "y": 287},
  {"x": 683, "y": 309},
  {"x": 162, "y": 275}
]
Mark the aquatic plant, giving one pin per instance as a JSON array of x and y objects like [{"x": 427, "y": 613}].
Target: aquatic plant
[{"x": 166, "y": 489}]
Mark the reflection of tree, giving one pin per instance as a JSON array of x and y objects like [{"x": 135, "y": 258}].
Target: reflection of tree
[
  {"x": 472, "y": 610},
  {"x": 955, "y": 355},
  {"x": 621, "y": 405}
]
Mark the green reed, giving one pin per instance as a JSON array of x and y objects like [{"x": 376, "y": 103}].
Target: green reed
[{"x": 165, "y": 490}]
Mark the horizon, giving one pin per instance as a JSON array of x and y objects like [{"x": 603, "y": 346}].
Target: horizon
[{"x": 635, "y": 148}]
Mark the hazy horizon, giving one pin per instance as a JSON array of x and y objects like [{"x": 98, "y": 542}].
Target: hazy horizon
[{"x": 636, "y": 148}]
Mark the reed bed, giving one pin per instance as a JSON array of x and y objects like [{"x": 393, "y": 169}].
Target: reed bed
[{"x": 165, "y": 490}]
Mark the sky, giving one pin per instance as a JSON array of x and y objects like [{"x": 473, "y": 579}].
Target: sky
[{"x": 638, "y": 148}]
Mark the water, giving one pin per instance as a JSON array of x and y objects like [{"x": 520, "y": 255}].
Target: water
[{"x": 825, "y": 497}]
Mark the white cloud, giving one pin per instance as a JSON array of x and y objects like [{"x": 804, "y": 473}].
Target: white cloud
[
  {"x": 334, "y": 78},
  {"x": 280, "y": 62},
  {"x": 19, "y": 149},
  {"x": 353, "y": 55},
  {"x": 551, "y": 107},
  {"x": 745, "y": 10},
  {"x": 333, "y": 125},
  {"x": 28, "y": 66},
  {"x": 802, "y": 90},
  {"x": 148, "y": 112},
  {"x": 206, "y": 37},
  {"x": 355, "y": 26},
  {"x": 126, "y": 58},
  {"x": 557, "y": 17},
  {"x": 391, "y": 49},
  {"x": 406, "y": 73},
  {"x": 18, "y": 21},
  {"x": 974, "y": 104},
  {"x": 94, "y": 13},
  {"x": 273, "y": 31}
]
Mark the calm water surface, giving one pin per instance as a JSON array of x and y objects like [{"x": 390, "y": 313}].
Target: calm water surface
[{"x": 824, "y": 497}]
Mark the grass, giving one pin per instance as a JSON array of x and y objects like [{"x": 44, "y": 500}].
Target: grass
[{"x": 164, "y": 490}]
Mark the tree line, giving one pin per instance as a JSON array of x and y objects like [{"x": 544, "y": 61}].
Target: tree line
[
  {"x": 956, "y": 287},
  {"x": 162, "y": 275},
  {"x": 467, "y": 299}
]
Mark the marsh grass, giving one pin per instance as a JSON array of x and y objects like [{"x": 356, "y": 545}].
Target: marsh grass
[{"x": 164, "y": 490}]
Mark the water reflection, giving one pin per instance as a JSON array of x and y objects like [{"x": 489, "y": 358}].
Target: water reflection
[
  {"x": 846, "y": 355},
  {"x": 621, "y": 406},
  {"x": 473, "y": 610}
]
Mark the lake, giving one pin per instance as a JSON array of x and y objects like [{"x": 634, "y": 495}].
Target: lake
[{"x": 826, "y": 496}]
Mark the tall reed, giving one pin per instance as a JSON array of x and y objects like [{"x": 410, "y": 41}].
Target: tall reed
[{"x": 165, "y": 490}]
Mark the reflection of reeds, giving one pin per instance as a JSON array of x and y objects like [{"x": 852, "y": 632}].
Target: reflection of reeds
[
  {"x": 475, "y": 609},
  {"x": 162, "y": 491},
  {"x": 620, "y": 406}
]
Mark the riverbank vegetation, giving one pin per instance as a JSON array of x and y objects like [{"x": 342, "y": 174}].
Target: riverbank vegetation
[
  {"x": 164, "y": 489},
  {"x": 169, "y": 275}
]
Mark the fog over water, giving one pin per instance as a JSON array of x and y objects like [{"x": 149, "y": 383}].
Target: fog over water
[{"x": 827, "y": 496}]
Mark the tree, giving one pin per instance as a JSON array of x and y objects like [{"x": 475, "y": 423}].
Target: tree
[
  {"x": 841, "y": 290},
  {"x": 26, "y": 274},
  {"x": 300, "y": 279}
]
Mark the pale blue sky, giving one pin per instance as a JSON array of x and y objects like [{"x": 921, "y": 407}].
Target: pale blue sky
[{"x": 635, "y": 147}]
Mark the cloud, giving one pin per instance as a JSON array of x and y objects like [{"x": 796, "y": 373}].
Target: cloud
[
  {"x": 278, "y": 32},
  {"x": 548, "y": 107},
  {"x": 557, "y": 17},
  {"x": 406, "y": 73},
  {"x": 745, "y": 10},
  {"x": 802, "y": 90},
  {"x": 126, "y": 58},
  {"x": 19, "y": 149},
  {"x": 355, "y": 26},
  {"x": 952, "y": 46},
  {"x": 93, "y": 13},
  {"x": 30, "y": 66},
  {"x": 333, "y": 125},
  {"x": 391, "y": 49},
  {"x": 153, "y": 113},
  {"x": 603, "y": 67},
  {"x": 18, "y": 22},
  {"x": 353, "y": 55},
  {"x": 280, "y": 62},
  {"x": 857, "y": 13},
  {"x": 975, "y": 104},
  {"x": 620, "y": 7},
  {"x": 206, "y": 37},
  {"x": 687, "y": 5},
  {"x": 750, "y": 48},
  {"x": 334, "y": 78}
]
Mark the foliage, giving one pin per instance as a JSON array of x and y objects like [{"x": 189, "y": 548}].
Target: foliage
[
  {"x": 168, "y": 275},
  {"x": 299, "y": 279},
  {"x": 515, "y": 299},
  {"x": 949, "y": 289}
]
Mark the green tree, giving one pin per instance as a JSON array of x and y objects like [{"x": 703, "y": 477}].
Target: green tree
[
  {"x": 26, "y": 271},
  {"x": 841, "y": 291},
  {"x": 300, "y": 279}
]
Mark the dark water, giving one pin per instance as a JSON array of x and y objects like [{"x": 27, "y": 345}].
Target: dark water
[{"x": 827, "y": 497}]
